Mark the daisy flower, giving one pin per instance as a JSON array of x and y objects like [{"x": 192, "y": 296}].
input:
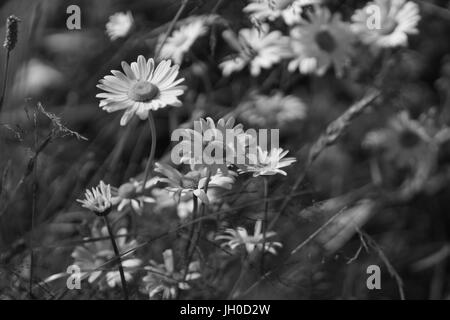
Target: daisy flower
[
  {"x": 405, "y": 141},
  {"x": 258, "y": 48},
  {"x": 98, "y": 200},
  {"x": 141, "y": 89},
  {"x": 119, "y": 25},
  {"x": 131, "y": 193},
  {"x": 215, "y": 196},
  {"x": 264, "y": 163},
  {"x": 181, "y": 40},
  {"x": 164, "y": 279},
  {"x": 92, "y": 257},
  {"x": 211, "y": 145},
  {"x": 235, "y": 238},
  {"x": 273, "y": 111},
  {"x": 386, "y": 23},
  {"x": 185, "y": 186},
  {"x": 321, "y": 42},
  {"x": 289, "y": 10}
]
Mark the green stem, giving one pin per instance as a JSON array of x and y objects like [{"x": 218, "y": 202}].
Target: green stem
[
  {"x": 191, "y": 236},
  {"x": 5, "y": 80},
  {"x": 240, "y": 277},
  {"x": 151, "y": 158},
  {"x": 199, "y": 227},
  {"x": 171, "y": 27},
  {"x": 119, "y": 260},
  {"x": 266, "y": 209}
]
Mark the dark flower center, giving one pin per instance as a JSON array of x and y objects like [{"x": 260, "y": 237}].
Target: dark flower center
[
  {"x": 409, "y": 139},
  {"x": 143, "y": 91},
  {"x": 325, "y": 41}
]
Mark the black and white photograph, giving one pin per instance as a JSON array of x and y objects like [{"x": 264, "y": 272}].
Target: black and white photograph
[{"x": 237, "y": 151}]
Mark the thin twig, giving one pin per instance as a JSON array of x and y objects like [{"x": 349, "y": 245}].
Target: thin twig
[
  {"x": 298, "y": 248},
  {"x": 33, "y": 206},
  {"x": 374, "y": 245},
  {"x": 119, "y": 260},
  {"x": 332, "y": 133},
  {"x": 171, "y": 27}
]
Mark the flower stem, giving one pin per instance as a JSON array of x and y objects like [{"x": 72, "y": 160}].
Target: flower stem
[
  {"x": 151, "y": 158},
  {"x": 266, "y": 209},
  {"x": 191, "y": 235},
  {"x": 171, "y": 27},
  {"x": 33, "y": 206},
  {"x": 119, "y": 261},
  {"x": 233, "y": 292},
  {"x": 5, "y": 80},
  {"x": 196, "y": 236}
]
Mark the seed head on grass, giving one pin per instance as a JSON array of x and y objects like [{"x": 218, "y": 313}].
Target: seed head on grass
[{"x": 11, "y": 32}]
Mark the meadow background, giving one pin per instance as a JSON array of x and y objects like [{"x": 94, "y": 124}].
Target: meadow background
[{"x": 346, "y": 206}]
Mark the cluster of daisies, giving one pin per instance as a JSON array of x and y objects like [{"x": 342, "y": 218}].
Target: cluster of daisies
[
  {"x": 313, "y": 41},
  {"x": 316, "y": 41}
]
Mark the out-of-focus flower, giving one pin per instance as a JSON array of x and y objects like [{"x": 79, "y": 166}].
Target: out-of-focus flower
[
  {"x": 216, "y": 202},
  {"x": 92, "y": 257},
  {"x": 99, "y": 200},
  {"x": 386, "y": 23},
  {"x": 141, "y": 89},
  {"x": 273, "y": 111},
  {"x": 185, "y": 209},
  {"x": 131, "y": 193},
  {"x": 35, "y": 77},
  {"x": 265, "y": 163},
  {"x": 163, "y": 278},
  {"x": 289, "y": 10},
  {"x": 185, "y": 186},
  {"x": 119, "y": 25},
  {"x": 258, "y": 48},
  {"x": 235, "y": 238},
  {"x": 181, "y": 40},
  {"x": 321, "y": 42},
  {"x": 404, "y": 142},
  {"x": 213, "y": 146}
]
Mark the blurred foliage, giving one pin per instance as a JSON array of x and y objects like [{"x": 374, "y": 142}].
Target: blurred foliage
[{"x": 401, "y": 214}]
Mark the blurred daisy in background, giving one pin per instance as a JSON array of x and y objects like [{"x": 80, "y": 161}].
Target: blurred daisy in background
[
  {"x": 212, "y": 145},
  {"x": 93, "y": 256},
  {"x": 386, "y": 23},
  {"x": 181, "y": 40},
  {"x": 289, "y": 10},
  {"x": 404, "y": 142},
  {"x": 141, "y": 88},
  {"x": 185, "y": 186},
  {"x": 258, "y": 48},
  {"x": 234, "y": 238},
  {"x": 266, "y": 163},
  {"x": 119, "y": 25},
  {"x": 35, "y": 77},
  {"x": 216, "y": 202},
  {"x": 165, "y": 280},
  {"x": 273, "y": 111},
  {"x": 98, "y": 200},
  {"x": 321, "y": 42},
  {"x": 131, "y": 193}
]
